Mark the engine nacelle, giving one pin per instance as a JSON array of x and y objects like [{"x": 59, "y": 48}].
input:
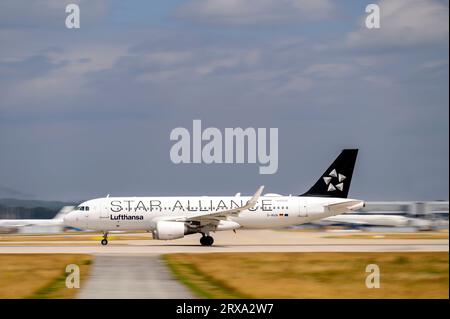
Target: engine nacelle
[
  {"x": 227, "y": 225},
  {"x": 169, "y": 230}
]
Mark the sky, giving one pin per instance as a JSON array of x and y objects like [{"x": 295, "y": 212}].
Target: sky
[{"x": 88, "y": 112}]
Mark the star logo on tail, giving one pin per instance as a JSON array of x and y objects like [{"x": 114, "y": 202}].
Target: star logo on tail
[{"x": 334, "y": 175}]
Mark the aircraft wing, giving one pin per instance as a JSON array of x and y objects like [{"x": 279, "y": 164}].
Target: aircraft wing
[
  {"x": 345, "y": 206},
  {"x": 215, "y": 216}
]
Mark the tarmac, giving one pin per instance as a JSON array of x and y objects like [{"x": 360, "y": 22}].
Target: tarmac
[
  {"x": 132, "y": 267},
  {"x": 131, "y": 277},
  {"x": 242, "y": 241}
]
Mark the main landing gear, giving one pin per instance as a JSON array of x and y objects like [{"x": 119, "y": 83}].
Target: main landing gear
[
  {"x": 105, "y": 239},
  {"x": 206, "y": 240}
]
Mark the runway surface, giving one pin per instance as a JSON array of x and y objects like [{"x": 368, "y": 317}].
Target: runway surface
[
  {"x": 131, "y": 277},
  {"x": 131, "y": 265},
  {"x": 242, "y": 241}
]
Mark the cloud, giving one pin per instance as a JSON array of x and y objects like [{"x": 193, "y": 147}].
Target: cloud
[
  {"x": 330, "y": 70},
  {"x": 254, "y": 12},
  {"x": 28, "y": 67},
  {"x": 115, "y": 93},
  {"x": 434, "y": 65},
  {"x": 48, "y": 79},
  {"x": 379, "y": 81},
  {"x": 20, "y": 14},
  {"x": 404, "y": 23}
]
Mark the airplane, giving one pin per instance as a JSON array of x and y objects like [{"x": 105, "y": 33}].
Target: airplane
[
  {"x": 170, "y": 218},
  {"x": 378, "y": 220},
  {"x": 13, "y": 225}
]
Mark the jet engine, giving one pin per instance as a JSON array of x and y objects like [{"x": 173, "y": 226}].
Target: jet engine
[{"x": 171, "y": 230}]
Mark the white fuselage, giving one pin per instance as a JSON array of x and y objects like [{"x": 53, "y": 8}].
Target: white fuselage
[
  {"x": 142, "y": 213},
  {"x": 30, "y": 222},
  {"x": 376, "y": 220}
]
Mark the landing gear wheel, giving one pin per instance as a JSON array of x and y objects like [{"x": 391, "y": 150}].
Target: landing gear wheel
[
  {"x": 105, "y": 239},
  {"x": 206, "y": 240}
]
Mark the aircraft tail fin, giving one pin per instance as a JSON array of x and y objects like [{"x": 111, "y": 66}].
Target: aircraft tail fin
[
  {"x": 63, "y": 211},
  {"x": 335, "y": 181}
]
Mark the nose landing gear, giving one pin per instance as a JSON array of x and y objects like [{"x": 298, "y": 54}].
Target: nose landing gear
[
  {"x": 206, "y": 240},
  {"x": 105, "y": 239}
]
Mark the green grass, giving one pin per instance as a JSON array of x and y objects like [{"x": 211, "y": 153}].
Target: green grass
[
  {"x": 39, "y": 275},
  {"x": 201, "y": 284},
  {"x": 57, "y": 289},
  {"x": 312, "y": 275}
]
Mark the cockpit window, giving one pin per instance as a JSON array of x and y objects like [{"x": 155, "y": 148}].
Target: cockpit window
[{"x": 82, "y": 208}]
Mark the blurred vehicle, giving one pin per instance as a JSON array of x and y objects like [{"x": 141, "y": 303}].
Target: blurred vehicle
[
  {"x": 358, "y": 220},
  {"x": 32, "y": 226}
]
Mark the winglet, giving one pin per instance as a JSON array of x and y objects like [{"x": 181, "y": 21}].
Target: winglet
[{"x": 255, "y": 197}]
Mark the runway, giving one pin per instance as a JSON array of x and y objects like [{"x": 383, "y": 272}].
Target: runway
[
  {"x": 130, "y": 266},
  {"x": 131, "y": 277},
  {"x": 242, "y": 241}
]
